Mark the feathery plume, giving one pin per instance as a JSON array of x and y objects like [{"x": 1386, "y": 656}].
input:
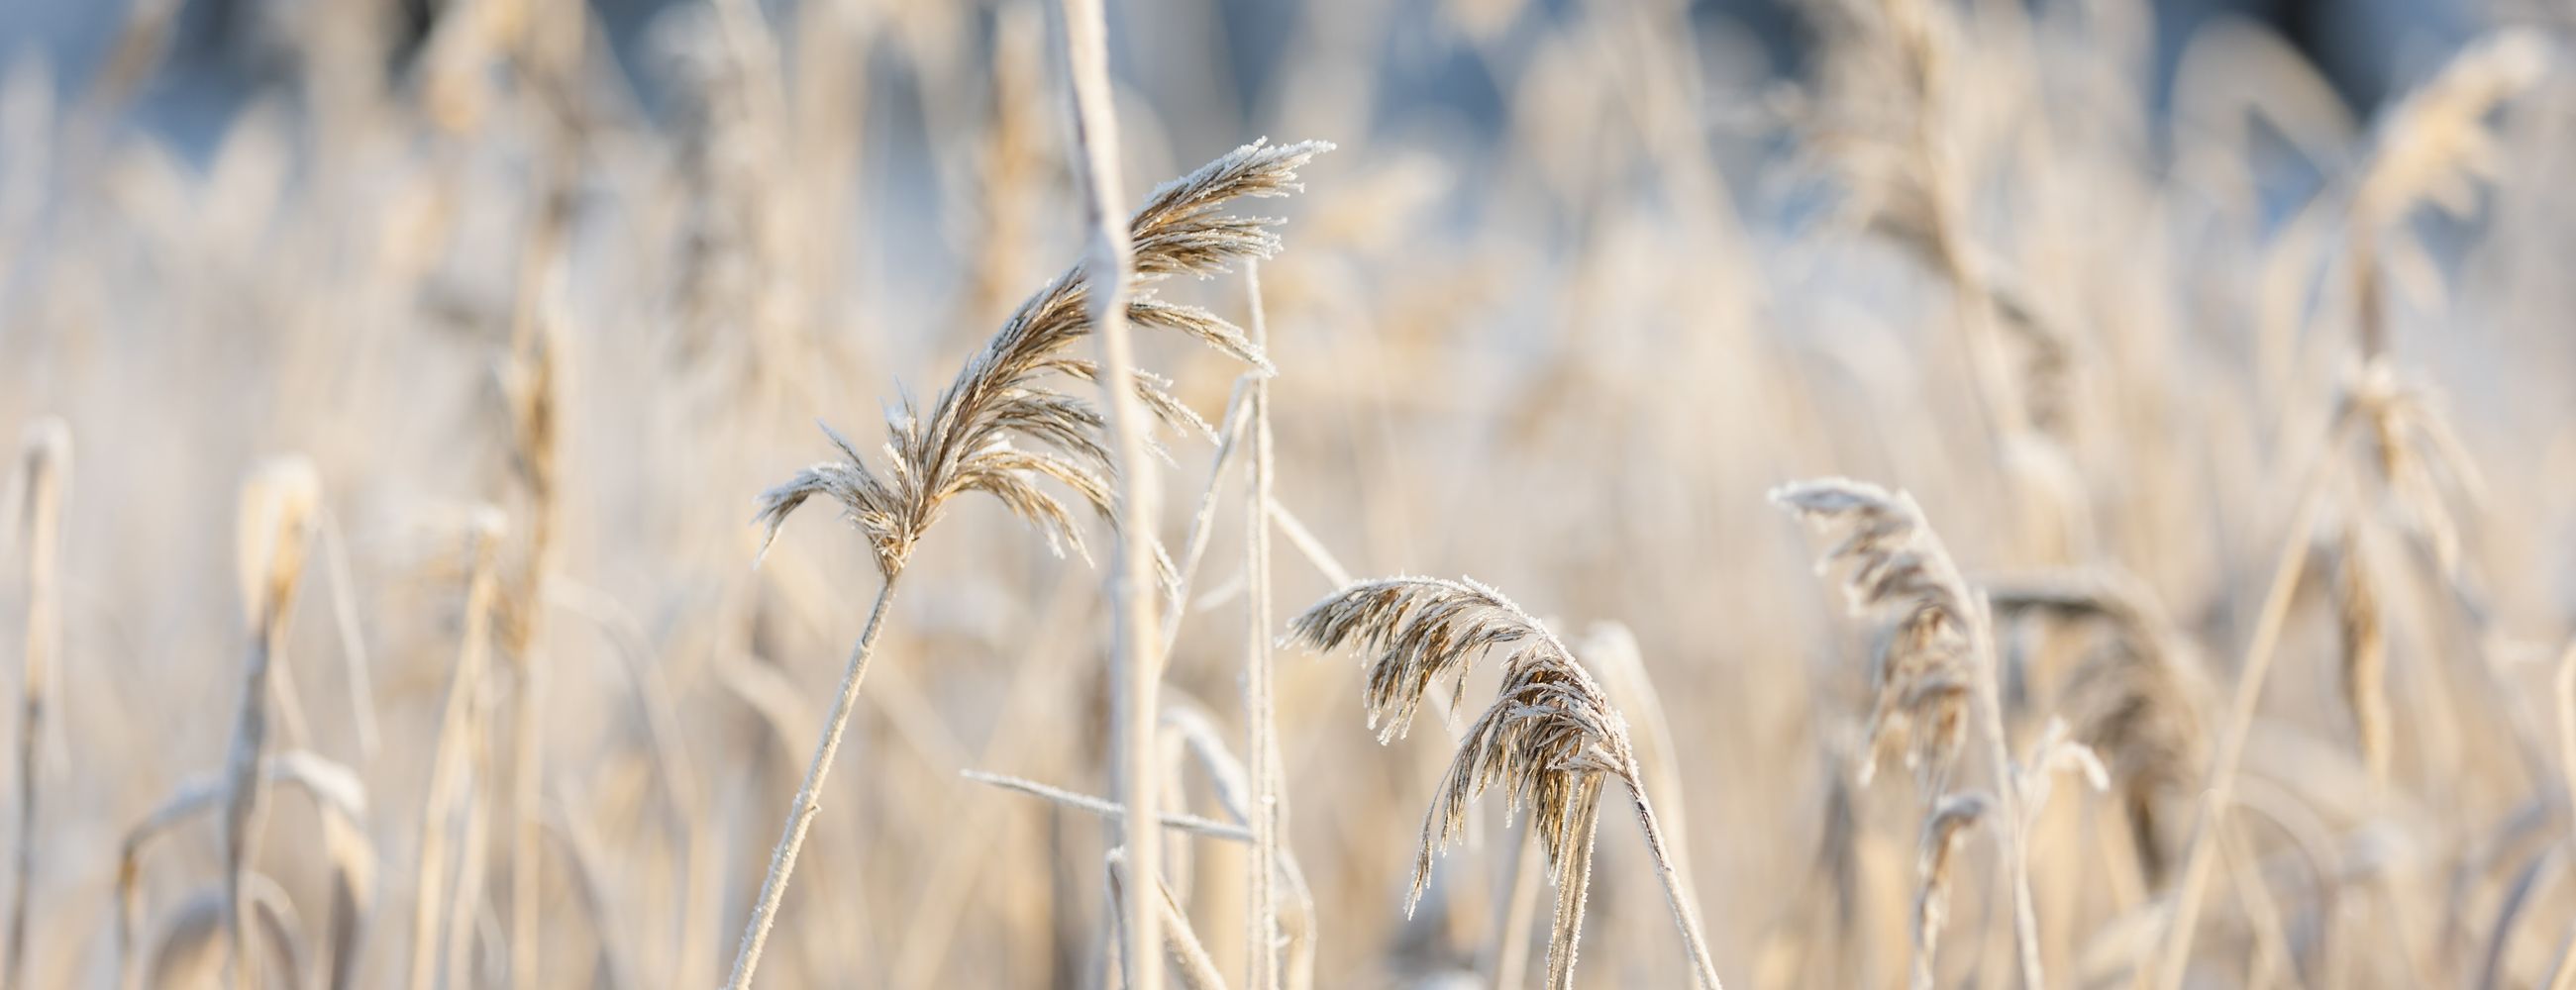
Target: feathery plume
[
  {"x": 2433, "y": 147},
  {"x": 1549, "y": 742},
  {"x": 964, "y": 443},
  {"x": 2131, "y": 698},
  {"x": 1944, "y": 645},
  {"x": 1895, "y": 565}
]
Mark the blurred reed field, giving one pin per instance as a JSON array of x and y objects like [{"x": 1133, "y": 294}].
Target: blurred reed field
[{"x": 1605, "y": 509}]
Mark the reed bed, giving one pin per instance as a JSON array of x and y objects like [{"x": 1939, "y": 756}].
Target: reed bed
[{"x": 2205, "y": 622}]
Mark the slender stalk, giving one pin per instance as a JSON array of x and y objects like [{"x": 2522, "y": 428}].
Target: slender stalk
[
  {"x": 1297, "y": 927},
  {"x": 1229, "y": 433},
  {"x": 527, "y": 836},
  {"x": 2016, "y": 828},
  {"x": 1192, "y": 824},
  {"x": 1181, "y": 947},
  {"x": 1308, "y": 546},
  {"x": 474, "y": 850},
  {"x": 279, "y": 501},
  {"x": 537, "y": 357},
  {"x": 2240, "y": 723},
  {"x": 1259, "y": 702},
  {"x": 448, "y": 765},
  {"x": 2567, "y": 721},
  {"x": 244, "y": 805},
  {"x": 353, "y": 644},
  {"x": 1676, "y": 887},
  {"x": 800, "y": 816},
  {"x": 1136, "y": 667},
  {"x": 47, "y": 465}
]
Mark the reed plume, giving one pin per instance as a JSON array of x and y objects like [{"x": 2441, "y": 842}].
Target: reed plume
[
  {"x": 965, "y": 441},
  {"x": 735, "y": 292},
  {"x": 2133, "y": 697},
  {"x": 1893, "y": 86},
  {"x": 1550, "y": 741},
  {"x": 2434, "y": 147},
  {"x": 1926, "y": 665},
  {"x": 1943, "y": 645}
]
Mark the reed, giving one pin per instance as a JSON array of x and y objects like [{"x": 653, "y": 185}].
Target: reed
[
  {"x": 43, "y": 483},
  {"x": 964, "y": 442},
  {"x": 455, "y": 772},
  {"x": 276, "y": 524},
  {"x": 1260, "y": 702},
  {"x": 1549, "y": 741},
  {"x": 1942, "y": 650},
  {"x": 2236, "y": 410}
]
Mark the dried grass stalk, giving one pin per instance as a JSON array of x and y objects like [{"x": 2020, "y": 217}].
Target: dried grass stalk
[
  {"x": 1180, "y": 946},
  {"x": 191, "y": 950},
  {"x": 337, "y": 794},
  {"x": 275, "y": 527},
  {"x": 1260, "y": 702},
  {"x": 2219, "y": 794},
  {"x": 965, "y": 441},
  {"x": 1550, "y": 740},
  {"x": 1943, "y": 644},
  {"x": 1233, "y": 787},
  {"x": 1179, "y": 821},
  {"x": 2565, "y": 684},
  {"x": 451, "y": 774},
  {"x": 535, "y": 391},
  {"x": 44, "y": 485}
]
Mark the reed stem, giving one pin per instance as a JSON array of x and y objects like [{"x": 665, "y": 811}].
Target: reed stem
[{"x": 800, "y": 815}]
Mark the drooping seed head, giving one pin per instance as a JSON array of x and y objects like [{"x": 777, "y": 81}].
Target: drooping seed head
[
  {"x": 1547, "y": 740},
  {"x": 1894, "y": 565}
]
